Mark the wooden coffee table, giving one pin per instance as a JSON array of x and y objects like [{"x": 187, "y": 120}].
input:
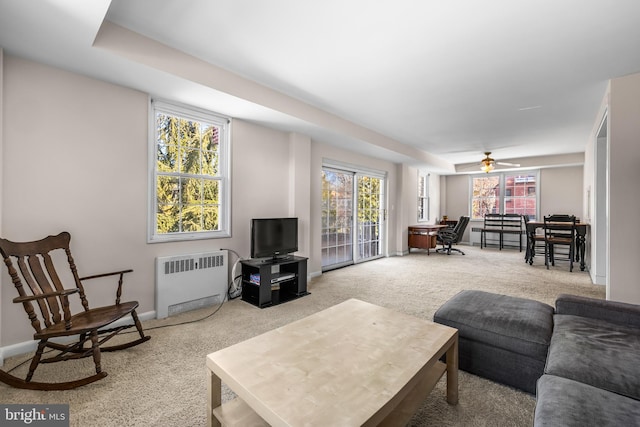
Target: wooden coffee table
[{"x": 352, "y": 364}]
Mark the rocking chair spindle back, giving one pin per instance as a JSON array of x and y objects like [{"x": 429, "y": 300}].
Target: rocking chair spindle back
[{"x": 39, "y": 277}]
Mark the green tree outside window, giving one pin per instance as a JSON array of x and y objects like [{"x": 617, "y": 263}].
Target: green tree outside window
[{"x": 188, "y": 183}]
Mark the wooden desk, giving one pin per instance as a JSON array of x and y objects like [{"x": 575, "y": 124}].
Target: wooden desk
[
  {"x": 353, "y": 364},
  {"x": 423, "y": 236},
  {"x": 581, "y": 233}
]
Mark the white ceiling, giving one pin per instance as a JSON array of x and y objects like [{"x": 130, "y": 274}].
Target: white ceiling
[{"x": 449, "y": 78}]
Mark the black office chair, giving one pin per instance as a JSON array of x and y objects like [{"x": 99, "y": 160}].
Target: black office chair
[{"x": 450, "y": 236}]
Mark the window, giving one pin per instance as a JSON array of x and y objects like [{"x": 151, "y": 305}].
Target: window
[
  {"x": 521, "y": 198},
  {"x": 189, "y": 187},
  {"x": 423, "y": 196},
  {"x": 504, "y": 193}
]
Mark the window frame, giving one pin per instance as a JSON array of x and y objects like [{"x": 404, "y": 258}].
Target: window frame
[
  {"x": 424, "y": 203},
  {"x": 223, "y": 176},
  {"x": 502, "y": 196}
]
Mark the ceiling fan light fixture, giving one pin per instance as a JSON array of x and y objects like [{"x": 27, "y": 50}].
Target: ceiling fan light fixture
[
  {"x": 488, "y": 164},
  {"x": 487, "y": 167}
]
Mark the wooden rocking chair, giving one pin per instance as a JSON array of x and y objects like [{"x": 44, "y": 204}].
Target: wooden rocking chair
[{"x": 53, "y": 319}]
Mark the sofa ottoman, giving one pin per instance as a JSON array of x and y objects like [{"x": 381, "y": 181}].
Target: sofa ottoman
[{"x": 501, "y": 338}]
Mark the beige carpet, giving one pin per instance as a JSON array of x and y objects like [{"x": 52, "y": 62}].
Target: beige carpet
[{"x": 163, "y": 382}]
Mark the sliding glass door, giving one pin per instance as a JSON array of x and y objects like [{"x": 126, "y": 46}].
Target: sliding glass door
[
  {"x": 337, "y": 218},
  {"x": 370, "y": 215},
  {"x": 352, "y": 217}
]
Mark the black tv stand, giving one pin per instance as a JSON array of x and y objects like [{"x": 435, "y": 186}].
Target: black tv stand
[
  {"x": 276, "y": 259},
  {"x": 271, "y": 281}
]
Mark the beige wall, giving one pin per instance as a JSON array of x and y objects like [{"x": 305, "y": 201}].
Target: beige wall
[
  {"x": 1, "y": 176},
  {"x": 457, "y": 196},
  {"x": 596, "y": 199},
  {"x": 624, "y": 176},
  {"x": 615, "y": 253},
  {"x": 75, "y": 159},
  {"x": 406, "y": 187},
  {"x": 407, "y": 211},
  {"x": 456, "y": 190},
  {"x": 259, "y": 184},
  {"x": 561, "y": 191}
]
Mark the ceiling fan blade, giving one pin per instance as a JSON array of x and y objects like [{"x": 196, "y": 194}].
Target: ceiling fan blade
[{"x": 515, "y": 165}]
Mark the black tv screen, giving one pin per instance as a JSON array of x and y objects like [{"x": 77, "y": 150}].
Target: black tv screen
[{"x": 273, "y": 237}]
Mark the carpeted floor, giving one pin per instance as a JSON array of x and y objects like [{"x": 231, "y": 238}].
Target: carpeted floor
[{"x": 163, "y": 382}]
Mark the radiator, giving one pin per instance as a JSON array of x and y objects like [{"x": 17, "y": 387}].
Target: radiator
[{"x": 188, "y": 282}]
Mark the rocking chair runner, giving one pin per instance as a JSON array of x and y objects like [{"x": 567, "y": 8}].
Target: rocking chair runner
[{"x": 52, "y": 317}]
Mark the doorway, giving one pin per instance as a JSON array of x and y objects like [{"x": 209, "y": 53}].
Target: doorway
[
  {"x": 600, "y": 238},
  {"x": 353, "y": 217}
]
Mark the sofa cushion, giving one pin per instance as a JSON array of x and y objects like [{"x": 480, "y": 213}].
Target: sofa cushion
[
  {"x": 603, "y": 354},
  {"x": 566, "y": 403},
  {"x": 611, "y": 311},
  {"x": 519, "y": 325}
]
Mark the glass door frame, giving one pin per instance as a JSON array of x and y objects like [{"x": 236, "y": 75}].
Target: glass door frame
[
  {"x": 380, "y": 225},
  {"x": 328, "y": 242},
  {"x": 358, "y": 172}
]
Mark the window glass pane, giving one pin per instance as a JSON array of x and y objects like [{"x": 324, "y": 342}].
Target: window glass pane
[
  {"x": 523, "y": 194},
  {"x": 190, "y": 161},
  {"x": 168, "y": 218},
  {"x": 486, "y": 196},
  {"x": 210, "y": 216},
  {"x": 423, "y": 197},
  {"x": 167, "y": 150},
  {"x": 211, "y": 191},
  {"x": 168, "y": 189},
  {"x": 210, "y": 147},
  {"x": 210, "y": 164},
  {"x": 189, "y": 170},
  {"x": 192, "y": 218},
  {"x": 191, "y": 191}
]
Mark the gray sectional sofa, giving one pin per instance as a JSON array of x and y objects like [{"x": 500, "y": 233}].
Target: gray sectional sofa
[
  {"x": 592, "y": 373},
  {"x": 582, "y": 359}
]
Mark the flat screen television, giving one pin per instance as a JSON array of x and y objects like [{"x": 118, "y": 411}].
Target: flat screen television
[{"x": 273, "y": 237}]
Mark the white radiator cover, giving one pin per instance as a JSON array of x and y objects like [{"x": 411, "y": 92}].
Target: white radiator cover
[{"x": 191, "y": 281}]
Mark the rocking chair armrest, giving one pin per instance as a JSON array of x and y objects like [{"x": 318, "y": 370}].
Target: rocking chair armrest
[
  {"x": 96, "y": 276},
  {"x": 62, "y": 293},
  {"x": 115, "y": 273}
]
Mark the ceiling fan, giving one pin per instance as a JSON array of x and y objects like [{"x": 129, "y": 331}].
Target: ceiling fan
[{"x": 489, "y": 164}]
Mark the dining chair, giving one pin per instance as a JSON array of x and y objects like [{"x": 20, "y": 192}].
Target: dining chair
[
  {"x": 559, "y": 230},
  {"x": 535, "y": 241}
]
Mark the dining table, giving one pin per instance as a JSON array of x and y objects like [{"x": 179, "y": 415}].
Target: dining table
[{"x": 581, "y": 236}]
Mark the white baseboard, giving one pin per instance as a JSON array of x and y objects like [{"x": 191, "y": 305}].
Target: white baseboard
[
  {"x": 30, "y": 346},
  {"x": 314, "y": 274}
]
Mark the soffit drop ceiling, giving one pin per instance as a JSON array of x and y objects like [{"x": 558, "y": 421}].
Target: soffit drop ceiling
[{"x": 440, "y": 82}]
